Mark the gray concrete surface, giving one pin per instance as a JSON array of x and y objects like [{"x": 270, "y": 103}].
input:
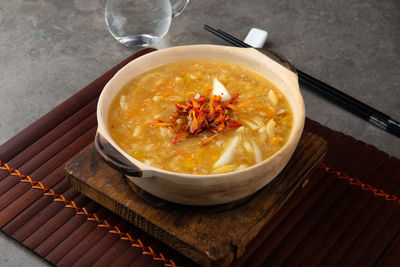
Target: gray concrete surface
[{"x": 51, "y": 49}]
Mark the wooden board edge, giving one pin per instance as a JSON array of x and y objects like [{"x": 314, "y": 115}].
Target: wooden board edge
[{"x": 295, "y": 185}]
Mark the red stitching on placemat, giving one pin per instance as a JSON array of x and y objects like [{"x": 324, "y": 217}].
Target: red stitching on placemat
[
  {"x": 357, "y": 182},
  {"x": 135, "y": 242}
]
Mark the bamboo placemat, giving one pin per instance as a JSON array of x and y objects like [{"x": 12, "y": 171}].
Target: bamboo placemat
[{"x": 347, "y": 214}]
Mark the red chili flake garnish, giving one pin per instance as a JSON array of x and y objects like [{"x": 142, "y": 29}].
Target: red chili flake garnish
[{"x": 201, "y": 114}]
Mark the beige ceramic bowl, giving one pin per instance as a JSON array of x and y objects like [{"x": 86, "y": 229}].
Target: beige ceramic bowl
[{"x": 202, "y": 189}]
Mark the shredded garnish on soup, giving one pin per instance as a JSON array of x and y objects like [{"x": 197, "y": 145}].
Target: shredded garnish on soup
[
  {"x": 201, "y": 114},
  {"x": 200, "y": 117}
]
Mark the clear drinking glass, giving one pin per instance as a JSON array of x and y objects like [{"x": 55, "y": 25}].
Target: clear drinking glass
[{"x": 141, "y": 22}]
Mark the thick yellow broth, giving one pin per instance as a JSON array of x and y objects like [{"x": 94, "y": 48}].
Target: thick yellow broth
[{"x": 153, "y": 95}]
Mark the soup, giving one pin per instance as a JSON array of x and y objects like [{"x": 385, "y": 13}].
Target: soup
[{"x": 200, "y": 117}]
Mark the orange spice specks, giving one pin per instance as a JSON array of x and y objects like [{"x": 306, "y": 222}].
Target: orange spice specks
[
  {"x": 193, "y": 122},
  {"x": 196, "y": 172},
  {"x": 233, "y": 100},
  {"x": 209, "y": 139},
  {"x": 208, "y": 91},
  {"x": 159, "y": 123},
  {"x": 250, "y": 99},
  {"x": 275, "y": 140},
  {"x": 232, "y": 107},
  {"x": 258, "y": 107},
  {"x": 179, "y": 136},
  {"x": 201, "y": 114},
  {"x": 162, "y": 84},
  {"x": 185, "y": 155}
]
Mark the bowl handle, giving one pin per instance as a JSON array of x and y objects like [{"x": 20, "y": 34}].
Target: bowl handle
[
  {"x": 278, "y": 58},
  {"x": 116, "y": 160}
]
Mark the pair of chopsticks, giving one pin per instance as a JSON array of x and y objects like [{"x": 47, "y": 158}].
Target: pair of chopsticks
[{"x": 355, "y": 106}]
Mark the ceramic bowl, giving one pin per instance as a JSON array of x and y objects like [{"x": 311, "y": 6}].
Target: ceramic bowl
[{"x": 213, "y": 189}]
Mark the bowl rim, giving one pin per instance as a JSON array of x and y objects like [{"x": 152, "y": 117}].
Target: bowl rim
[{"x": 146, "y": 167}]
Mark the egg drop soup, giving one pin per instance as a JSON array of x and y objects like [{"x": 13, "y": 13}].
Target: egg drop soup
[{"x": 200, "y": 117}]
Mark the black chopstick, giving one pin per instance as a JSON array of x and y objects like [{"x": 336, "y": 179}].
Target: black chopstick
[
  {"x": 334, "y": 94},
  {"x": 355, "y": 106},
  {"x": 227, "y": 37}
]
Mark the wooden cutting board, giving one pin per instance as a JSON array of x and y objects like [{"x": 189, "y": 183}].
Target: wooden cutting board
[{"x": 211, "y": 236}]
